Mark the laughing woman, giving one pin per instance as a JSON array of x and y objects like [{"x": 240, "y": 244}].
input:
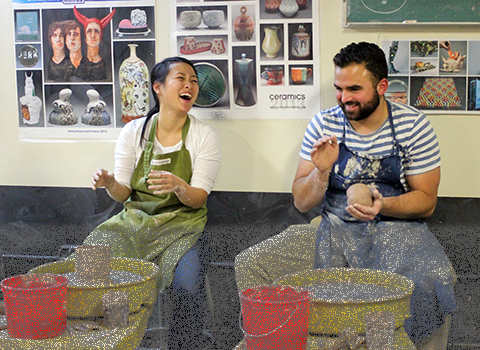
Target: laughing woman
[{"x": 165, "y": 166}]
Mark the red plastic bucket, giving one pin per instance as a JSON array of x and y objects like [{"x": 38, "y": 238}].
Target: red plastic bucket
[
  {"x": 275, "y": 317},
  {"x": 35, "y": 305}
]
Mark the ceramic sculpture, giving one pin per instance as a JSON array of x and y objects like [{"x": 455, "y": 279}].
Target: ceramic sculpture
[
  {"x": 31, "y": 104},
  {"x": 62, "y": 113},
  {"x": 136, "y": 25},
  {"x": 95, "y": 113}
]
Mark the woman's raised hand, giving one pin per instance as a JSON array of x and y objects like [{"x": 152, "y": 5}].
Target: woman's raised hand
[{"x": 102, "y": 178}]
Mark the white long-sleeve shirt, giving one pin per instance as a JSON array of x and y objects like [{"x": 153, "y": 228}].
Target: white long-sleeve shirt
[{"x": 202, "y": 142}]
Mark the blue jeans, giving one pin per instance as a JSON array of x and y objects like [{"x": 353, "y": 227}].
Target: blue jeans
[{"x": 188, "y": 301}]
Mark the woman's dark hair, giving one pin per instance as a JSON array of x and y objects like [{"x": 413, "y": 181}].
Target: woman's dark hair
[
  {"x": 365, "y": 53},
  {"x": 159, "y": 74}
]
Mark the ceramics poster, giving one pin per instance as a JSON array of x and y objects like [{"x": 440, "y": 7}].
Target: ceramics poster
[
  {"x": 254, "y": 58},
  {"x": 435, "y": 76},
  {"x": 82, "y": 67}
]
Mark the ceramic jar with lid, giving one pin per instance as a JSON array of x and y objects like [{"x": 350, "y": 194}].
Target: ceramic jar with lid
[
  {"x": 245, "y": 95},
  {"x": 301, "y": 43},
  {"x": 244, "y": 25}
]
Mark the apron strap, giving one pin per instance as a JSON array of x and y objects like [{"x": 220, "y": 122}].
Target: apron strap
[
  {"x": 151, "y": 139},
  {"x": 147, "y": 154}
]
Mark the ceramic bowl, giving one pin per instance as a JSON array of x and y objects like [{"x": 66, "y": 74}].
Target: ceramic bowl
[
  {"x": 213, "y": 18},
  {"x": 190, "y": 19},
  {"x": 212, "y": 85}
]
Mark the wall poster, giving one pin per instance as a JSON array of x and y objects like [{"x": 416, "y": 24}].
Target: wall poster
[
  {"x": 435, "y": 76},
  {"x": 254, "y": 58},
  {"x": 82, "y": 67}
]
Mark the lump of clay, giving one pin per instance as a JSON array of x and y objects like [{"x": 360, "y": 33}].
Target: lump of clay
[{"x": 359, "y": 193}]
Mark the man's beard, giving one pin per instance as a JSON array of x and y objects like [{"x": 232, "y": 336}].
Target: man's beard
[{"x": 363, "y": 111}]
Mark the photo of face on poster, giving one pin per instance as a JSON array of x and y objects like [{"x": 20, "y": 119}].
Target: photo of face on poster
[{"x": 77, "y": 45}]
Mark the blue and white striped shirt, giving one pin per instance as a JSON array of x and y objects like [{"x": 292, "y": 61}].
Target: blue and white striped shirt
[{"x": 413, "y": 132}]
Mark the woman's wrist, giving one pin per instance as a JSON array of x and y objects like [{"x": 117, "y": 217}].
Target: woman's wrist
[{"x": 112, "y": 184}]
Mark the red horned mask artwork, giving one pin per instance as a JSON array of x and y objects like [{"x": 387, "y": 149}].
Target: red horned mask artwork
[{"x": 85, "y": 21}]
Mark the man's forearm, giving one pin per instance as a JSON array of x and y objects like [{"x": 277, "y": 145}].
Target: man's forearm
[
  {"x": 309, "y": 191},
  {"x": 412, "y": 205}
]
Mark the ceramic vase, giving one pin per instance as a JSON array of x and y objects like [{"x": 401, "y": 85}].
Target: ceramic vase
[
  {"x": 288, "y": 7},
  {"x": 245, "y": 95},
  {"x": 301, "y": 43},
  {"x": 271, "y": 43},
  {"x": 134, "y": 86}
]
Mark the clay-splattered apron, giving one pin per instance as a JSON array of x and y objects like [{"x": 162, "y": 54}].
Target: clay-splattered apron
[
  {"x": 406, "y": 247},
  {"x": 157, "y": 228}
]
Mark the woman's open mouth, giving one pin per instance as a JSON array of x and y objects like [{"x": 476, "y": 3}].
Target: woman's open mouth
[{"x": 186, "y": 96}]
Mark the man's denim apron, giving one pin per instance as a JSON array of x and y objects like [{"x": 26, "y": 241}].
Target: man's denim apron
[{"x": 406, "y": 247}]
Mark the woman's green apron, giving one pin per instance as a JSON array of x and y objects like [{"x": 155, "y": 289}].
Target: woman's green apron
[{"x": 157, "y": 228}]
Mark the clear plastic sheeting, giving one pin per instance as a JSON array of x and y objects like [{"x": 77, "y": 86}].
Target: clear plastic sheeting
[{"x": 35, "y": 222}]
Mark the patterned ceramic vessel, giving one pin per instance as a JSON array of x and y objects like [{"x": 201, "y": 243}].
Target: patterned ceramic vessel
[
  {"x": 272, "y": 5},
  {"x": 301, "y": 43},
  {"x": 213, "y": 18},
  {"x": 288, "y": 7},
  {"x": 134, "y": 86},
  {"x": 190, "y": 19}
]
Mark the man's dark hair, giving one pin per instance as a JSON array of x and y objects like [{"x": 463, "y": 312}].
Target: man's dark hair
[
  {"x": 365, "y": 53},
  {"x": 52, "y": 28},
  {"x": 71, "y": 24}
]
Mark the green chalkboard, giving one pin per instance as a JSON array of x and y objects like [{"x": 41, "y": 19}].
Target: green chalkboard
[{"x": 371, "y": 12}]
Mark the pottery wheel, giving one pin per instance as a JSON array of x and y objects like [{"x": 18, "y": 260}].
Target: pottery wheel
[
  {"x": 343, "y": 292},
  {"x": 116, "y": 277}
]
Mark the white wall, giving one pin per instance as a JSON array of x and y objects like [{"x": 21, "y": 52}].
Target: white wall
[{"x": 257, "y": 155}]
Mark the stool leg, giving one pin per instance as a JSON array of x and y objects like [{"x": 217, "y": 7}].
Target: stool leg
[
  {"x": 2, "y": 266},
  {"x": 164, "y": 316},
  {"x": 208, "y": 328}
]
